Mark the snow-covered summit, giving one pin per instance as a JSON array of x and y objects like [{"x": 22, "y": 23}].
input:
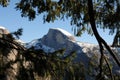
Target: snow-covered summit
[
  {"x": 63, "y": 31},
  {"x": 57, "y": 38}
]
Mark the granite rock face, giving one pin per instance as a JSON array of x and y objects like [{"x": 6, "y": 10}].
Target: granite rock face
[
  {"x": 58, "y": 39},
  {"x": 7, "y": 56}
]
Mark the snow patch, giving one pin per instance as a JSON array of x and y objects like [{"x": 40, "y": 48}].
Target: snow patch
[
  {"x": 63, "y": 31},
  {"x": 86, "y": 44},
  {"x": 38, "y": 45},
  {"x": 1, "y": 27}
]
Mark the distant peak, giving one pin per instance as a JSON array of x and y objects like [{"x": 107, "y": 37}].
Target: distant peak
[{"x": 60, "y": 33}]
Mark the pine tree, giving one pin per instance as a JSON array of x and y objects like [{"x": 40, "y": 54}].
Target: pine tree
[{"x": 104, "y": 14}]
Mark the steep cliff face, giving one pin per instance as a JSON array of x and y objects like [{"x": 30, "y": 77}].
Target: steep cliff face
[{"x": 57, "y": 38}]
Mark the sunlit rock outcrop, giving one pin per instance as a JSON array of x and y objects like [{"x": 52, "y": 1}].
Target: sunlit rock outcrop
[
  {"x": 7, "y": 56},
  {"x": 55, "y": 39}
]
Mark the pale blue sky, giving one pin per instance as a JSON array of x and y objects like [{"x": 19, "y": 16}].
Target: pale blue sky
[{"x": 12, "y": 20}]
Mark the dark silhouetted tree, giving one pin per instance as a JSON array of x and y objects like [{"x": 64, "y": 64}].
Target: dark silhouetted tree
[{"x": 86, "y": 15}]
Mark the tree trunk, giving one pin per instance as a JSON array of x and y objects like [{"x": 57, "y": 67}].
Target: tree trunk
[
  {"x": 98, "y": 37},
  {"x": 116, "y": 41}
]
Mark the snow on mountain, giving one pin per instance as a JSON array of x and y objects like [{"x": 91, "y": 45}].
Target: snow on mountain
[
  {"x": 20, "y": 42},
  {"x": 3, "y": 30},
  {"x": 63, "y": 31},
  {"x": 38, "y": 45},
  {"x": 57, "y": 38},
  {"x": 1, "y": 27},
  {"x": 87, "y": 45}
]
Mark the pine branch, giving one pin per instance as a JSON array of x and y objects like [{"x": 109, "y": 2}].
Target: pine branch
[
  {"x": 15, "y": 44},
  {"x": 98, "y": 37},
  {"x": 101, "y": 42},
  {"x": 112, "y": 78}
]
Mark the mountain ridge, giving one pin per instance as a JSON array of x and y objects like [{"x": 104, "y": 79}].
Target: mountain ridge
[{"x": 57, "y": 38}]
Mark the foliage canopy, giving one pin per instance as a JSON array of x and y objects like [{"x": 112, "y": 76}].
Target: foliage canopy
[
  {"x": 104, "y": 14},
  {"x": 107, "y": 12}
]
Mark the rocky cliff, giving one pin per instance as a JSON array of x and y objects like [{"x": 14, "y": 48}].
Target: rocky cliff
[
  {"x": 7, "y": 56},
  {"x": 57, "y": 38}
]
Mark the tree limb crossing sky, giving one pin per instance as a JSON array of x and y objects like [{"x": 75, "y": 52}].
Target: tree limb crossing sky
[{"x": 12, "y": 20}]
